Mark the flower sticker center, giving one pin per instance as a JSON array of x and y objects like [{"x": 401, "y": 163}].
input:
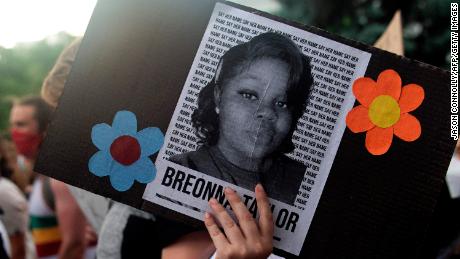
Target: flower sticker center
[
  {"x": 384, "y": 110},
  {"x": 124, "y": 152}
]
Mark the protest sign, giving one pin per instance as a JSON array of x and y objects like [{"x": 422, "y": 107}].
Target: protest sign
[{"x": 168, "y": 103}]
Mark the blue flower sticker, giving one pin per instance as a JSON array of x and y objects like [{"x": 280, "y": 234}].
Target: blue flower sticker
[{"x": 124, "y": 152}]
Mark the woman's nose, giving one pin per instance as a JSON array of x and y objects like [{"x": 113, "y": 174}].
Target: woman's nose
[{"x": 266, "y": 112}]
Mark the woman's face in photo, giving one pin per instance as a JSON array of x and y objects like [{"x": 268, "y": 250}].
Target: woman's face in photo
[{"x": 254, "y": 117}]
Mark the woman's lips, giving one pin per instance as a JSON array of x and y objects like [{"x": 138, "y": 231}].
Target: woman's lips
[{"x": 262, "y": 135}]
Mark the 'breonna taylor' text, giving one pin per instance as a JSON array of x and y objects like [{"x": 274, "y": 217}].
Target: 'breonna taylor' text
[{"x": 203, "y": 189}]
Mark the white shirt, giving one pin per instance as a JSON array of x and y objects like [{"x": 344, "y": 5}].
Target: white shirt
[{"x": 5, "y": 240}]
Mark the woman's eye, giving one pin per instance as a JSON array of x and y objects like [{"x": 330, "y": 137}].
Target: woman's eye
[
  {"x": 249, "y": 96},
  {"x": 281, "y": 104}
]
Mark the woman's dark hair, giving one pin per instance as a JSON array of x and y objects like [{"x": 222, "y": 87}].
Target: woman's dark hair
[
  {"x": 43, "y": 110},
  {"x": 5, "y": 169},
  {"x": 268, "y": 45}
]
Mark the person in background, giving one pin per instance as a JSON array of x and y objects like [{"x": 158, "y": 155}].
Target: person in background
[
  {"x": 21, "y": 173},
  {"x": 14, "y": 208},
  {"x": 56, "y": 220}
]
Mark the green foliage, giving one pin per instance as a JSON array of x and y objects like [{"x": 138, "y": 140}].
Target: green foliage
[
  {"x": 23, "y": 68},
  {"x": 425, "y": 22}
]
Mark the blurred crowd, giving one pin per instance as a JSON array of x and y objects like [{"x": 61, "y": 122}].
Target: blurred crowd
[{"x": 39, "y": 216}]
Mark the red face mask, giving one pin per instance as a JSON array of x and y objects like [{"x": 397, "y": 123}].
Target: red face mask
[{"x": 26, "y": 143}]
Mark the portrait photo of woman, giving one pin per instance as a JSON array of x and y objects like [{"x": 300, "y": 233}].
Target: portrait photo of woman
[{"x": 247, "y": 114}]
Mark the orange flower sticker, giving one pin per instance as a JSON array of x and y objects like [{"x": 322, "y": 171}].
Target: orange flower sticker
[{"x": 384, "y": 110}]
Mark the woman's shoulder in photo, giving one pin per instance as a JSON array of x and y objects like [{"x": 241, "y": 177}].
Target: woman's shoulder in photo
[
  {"x": 199, "y": 160},
  {"x": 292, "y": 164}
]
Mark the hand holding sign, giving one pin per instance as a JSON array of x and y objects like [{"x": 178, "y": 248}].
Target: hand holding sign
[{"x": 249, "y": 239}]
